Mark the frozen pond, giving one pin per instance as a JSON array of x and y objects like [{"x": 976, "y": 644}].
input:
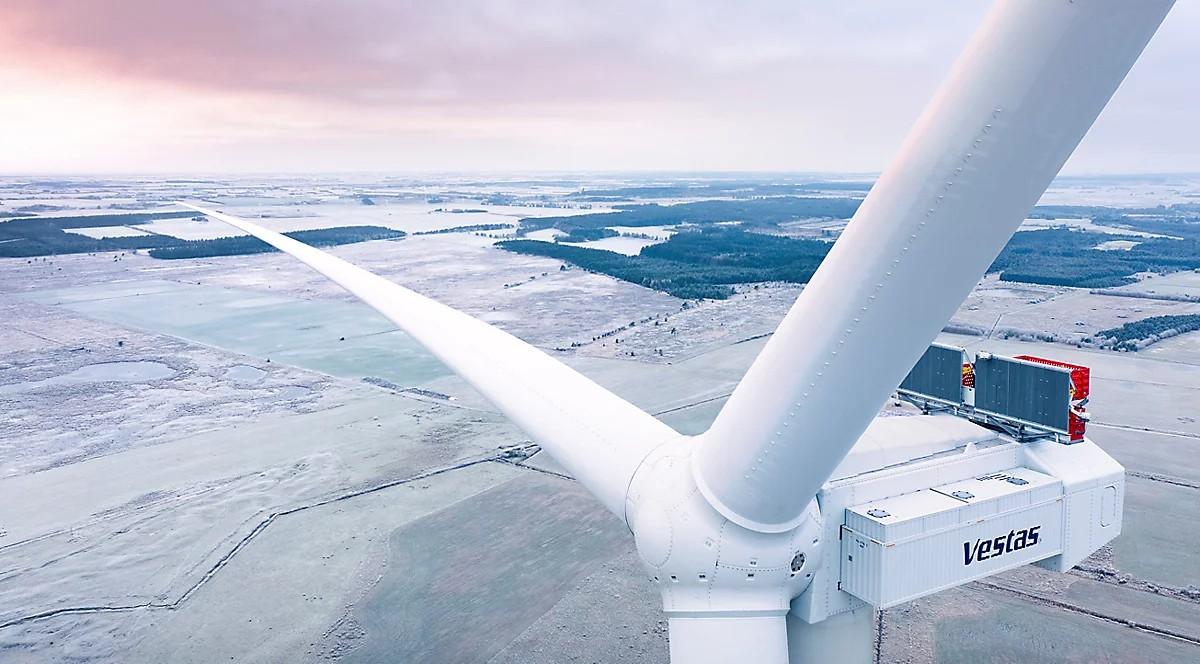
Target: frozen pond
[
  {"x": 1117, "y": 245},
  {"x": 544, "y": 234},
  {"x": 630, "y": 246},
  {"x": 293, "y": 392},
  {"x": 244, "y": 373},
  {"x": 339, "y": 338},
  {"x": 122, "y": 372},
  {"x": 108, "y": 231}
]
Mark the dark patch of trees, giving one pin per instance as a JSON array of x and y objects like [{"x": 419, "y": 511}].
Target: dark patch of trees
[
  {"x": 243, "y": 245},
  {"x": 758, "y": 212},
  {"x": 1153, "y": 328},
  {"x": 1063, "y": 257},
  {"x": 465, "y": 229},
  {"x": 25, "y": 238},
  {"x": 586, "y": 235},
  {"x": 649, "y": 272},
  {"x": 702, "y": 264},
  {"x": 121, "y": 219},
  {"x": 735, "y": 188},
  {"x": 1184, "y": 227},
  {"x": 756, "y": 256},
  {"x": 45, "y": 236},
  {"x": 1102, "y": 211}
]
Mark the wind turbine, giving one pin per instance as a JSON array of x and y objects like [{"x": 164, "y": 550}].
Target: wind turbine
[{"x": 750, "y": 530}]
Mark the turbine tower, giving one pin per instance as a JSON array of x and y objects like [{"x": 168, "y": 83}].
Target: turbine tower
[{"x": 775, "y": 535}]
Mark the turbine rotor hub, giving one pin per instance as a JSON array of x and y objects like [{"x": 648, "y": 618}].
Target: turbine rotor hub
[{"x": 702, "y": 562}]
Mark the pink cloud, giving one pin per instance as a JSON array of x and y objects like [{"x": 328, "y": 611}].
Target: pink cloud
[
  {"x": 376, "y": 51},
  {"x": 518, "y": 83}
]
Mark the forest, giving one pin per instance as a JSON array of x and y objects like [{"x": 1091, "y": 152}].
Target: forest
[
  {"x": 1128, "y": 336},
  {"x": 694, "y": 265},
  {"x": 734, "y": 188},
  {"x": 1187, "y": 228},
  {"x": 586, "y": 235},
  {"x": 758, "y": 212},
  {"x": 116, "y": 219},
  {"x": 1063, "y": 257},
  {"x": 47, "y": 236},
  {"x": 1176, "y": 210},
  {"x": 472, "y": 228},
  {"x": 245, "y": 244},
  {"x": 26, "y": 238},
  {"x": 704, "y": 263}
]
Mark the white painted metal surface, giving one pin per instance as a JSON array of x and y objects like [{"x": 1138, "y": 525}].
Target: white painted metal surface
[
  {"x": 729, "y": 639},
  {"x": 597, "y": 436},
  {"x": 1094, "y": 496},
  {"x": 894, "y": 440},
  {"x": 824, "y": 597},
  {"x": 908, "y": 546},
  {"x": 1020, "y": 99},
  {"x": 1083, "y": 484},
  {"x": 846, "y": 637},
  {"x": 708, "y": 569}
]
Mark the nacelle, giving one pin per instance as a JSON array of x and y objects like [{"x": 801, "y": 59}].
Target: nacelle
[{"x": 967, "y": 503}]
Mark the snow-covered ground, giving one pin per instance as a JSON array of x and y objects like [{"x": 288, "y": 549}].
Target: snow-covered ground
[
  {"x": 630, "y": 246},
  {"x": 1083, "y": 225},
  {"x": 108, "y": 231},
  {"x": 544, "y": 234},
  {"x": 1117, "y": 245},
  {"x": 191, "y": 501}
]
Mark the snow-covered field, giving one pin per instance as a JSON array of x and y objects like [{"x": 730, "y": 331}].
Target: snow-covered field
[
  {"x": 1117, "y": 245},
  {"x": 656, "y": 232},
  {"x": 192, "y": 470},
  {"x": 189, "y": 229},
  {"x": 1122, "y": 192},
  {"x": 108, "y": 231},
  {"x": 544, "y": 234},
  {"x": 1083, "y": 225}
]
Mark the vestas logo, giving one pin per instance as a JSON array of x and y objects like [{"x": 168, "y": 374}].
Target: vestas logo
[{"x": 987, "y": 549}]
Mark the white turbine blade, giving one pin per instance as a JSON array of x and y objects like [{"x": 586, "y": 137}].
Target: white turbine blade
[
  {"x": 597, "y": 436},
  {"x": 1021, "y": 97}
]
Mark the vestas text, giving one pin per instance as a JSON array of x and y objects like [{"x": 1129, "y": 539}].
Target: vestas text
[{"x": 1015, "y": 540}]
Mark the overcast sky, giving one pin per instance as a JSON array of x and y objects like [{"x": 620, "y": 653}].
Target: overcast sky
[{"x": 520, "y": 85}]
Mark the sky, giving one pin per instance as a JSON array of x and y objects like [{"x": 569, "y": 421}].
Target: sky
[{"x": 253, "y": 86}]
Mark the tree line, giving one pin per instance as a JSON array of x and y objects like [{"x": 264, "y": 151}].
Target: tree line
[
  {"x": 705, "y": 262},
  {"x": 695, "y": 265},
  {"x": 245, "y": 244},
  {"x": 473, "y": 228},
  {"x": 734, "y": 188},
  {"x": 27, "y": 238},
  {"x": 1065, "y": 257},
  {"x": 756, "y": 212},
  {"x": 1132, "y": 336}
]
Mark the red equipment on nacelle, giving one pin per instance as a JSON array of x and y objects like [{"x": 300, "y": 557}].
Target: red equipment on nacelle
[{"x": 1081, "y": 379}]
